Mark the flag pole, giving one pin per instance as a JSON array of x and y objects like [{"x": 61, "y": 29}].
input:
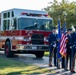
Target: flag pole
[
  {"x": 58, "y": 49},
  {"x": 65, "y": 14}
]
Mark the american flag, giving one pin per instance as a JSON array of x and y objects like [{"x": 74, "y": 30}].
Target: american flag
[{"x": 63, "y": 43}]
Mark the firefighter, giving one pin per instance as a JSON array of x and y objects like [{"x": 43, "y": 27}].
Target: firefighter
[
  {"x": 52, "y": 46},
  {"x": 69, "y": 47},
  {"x": 73, "y": 50}
]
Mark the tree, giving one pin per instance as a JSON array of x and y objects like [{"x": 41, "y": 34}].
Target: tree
[{"x": 56, "y": 10}]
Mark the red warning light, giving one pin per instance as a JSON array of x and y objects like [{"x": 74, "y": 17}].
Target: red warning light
[{"x": 45, "y": 15}]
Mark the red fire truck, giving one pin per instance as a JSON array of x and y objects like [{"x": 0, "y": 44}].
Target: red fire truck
[{"x": 24, "y": 31}]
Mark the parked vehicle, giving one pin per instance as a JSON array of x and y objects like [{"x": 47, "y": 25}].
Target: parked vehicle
[{"x": 24, "y": 31}]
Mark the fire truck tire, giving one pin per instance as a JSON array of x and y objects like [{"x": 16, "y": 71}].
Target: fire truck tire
[
  {"x": 8, "y": 51},
  {"x": 39, "y": 54}
]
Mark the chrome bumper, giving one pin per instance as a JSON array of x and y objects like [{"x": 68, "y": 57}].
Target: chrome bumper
[{"x": 33, "y": 47}]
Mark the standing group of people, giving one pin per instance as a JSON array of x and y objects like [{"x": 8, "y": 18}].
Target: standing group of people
[{"x": 71, "y": 49}]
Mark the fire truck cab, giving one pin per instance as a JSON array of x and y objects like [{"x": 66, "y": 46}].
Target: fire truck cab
[{"x": 24, "y": 31}]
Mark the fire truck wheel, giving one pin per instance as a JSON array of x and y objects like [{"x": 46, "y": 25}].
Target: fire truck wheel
[
  {"x": 39, "y": 54},
  {"x": 8, "y": 51}
]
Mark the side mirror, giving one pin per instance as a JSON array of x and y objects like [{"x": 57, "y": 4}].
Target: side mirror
[{"x": 12, "y": 22}]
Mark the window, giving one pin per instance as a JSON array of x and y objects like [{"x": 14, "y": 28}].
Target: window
[
  {"x": 8, "y": 14},
  {"x": 6, "y": 24},
  {"x": 25, "y": 23},
  {"x": 34, "y": 24},
  {"x": 12, "y": 14},
  {"x": 44, "y": 24},
  {"x": 13, "y": 24},
  {"x": 5, "y": 15}
]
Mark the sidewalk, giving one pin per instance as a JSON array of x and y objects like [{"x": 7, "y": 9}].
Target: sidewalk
[
  {"x": 58, "y": 71},
  {"x": 54, "y": 70}
]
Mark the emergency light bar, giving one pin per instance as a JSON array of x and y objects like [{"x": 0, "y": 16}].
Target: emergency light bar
[{"x": 33, "y": 14}]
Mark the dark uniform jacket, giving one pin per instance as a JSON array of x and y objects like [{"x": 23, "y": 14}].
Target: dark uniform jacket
[
  {"x": 69, "y": 44},
  {"x": 74, "y": 38},
  {"x": 69, "y": 40},
  {"x": 52, "y": 38}
]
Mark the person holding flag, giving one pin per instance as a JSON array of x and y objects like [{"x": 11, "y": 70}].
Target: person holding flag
[
  {"x": 62, "y": 46},
  {"x": 58, "y": 42}
]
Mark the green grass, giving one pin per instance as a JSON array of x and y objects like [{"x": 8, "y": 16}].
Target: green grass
[
  {"x": 46, "y": 54},
  {"x": 12, "y": 67}
]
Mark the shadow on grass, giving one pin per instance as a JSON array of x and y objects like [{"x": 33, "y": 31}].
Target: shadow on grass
[{"x": 32, "y": 72}]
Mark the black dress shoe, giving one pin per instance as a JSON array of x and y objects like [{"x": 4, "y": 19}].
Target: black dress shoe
[
  {"x": 50, "y": 65},
  {"x": 63, "y": 67},
  {"x": 72, "y": 71},
  {"x": 66, "y": 69},
  {"x": 55, "y": 65},
  {"x": 58, "y": 67}
]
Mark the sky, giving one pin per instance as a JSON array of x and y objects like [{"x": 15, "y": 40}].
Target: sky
[{"x": 24, "y": 4}]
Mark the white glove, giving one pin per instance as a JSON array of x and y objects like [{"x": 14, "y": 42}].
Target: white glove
[
  {"x": 54, "y": 45},
  {"x": 70, "y": 47}
]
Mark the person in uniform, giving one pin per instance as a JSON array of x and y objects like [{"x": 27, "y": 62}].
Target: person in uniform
[
  {"x": 73, "y": 50},
  {"x": 63, "y": 65},
  {"x": 69, "y": 47},
  {"x": 52, "y": 46}
]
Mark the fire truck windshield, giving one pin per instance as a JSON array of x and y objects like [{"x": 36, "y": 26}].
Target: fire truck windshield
[{"x": 34, "y": 24}]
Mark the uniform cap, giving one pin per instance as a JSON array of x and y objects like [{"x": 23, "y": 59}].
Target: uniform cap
[
  {"x": 70, "y": 29},
  {"x": 74, "y": 26},
  {"x": 61, "y": 29},
  {"x": 53, "y": 27}
]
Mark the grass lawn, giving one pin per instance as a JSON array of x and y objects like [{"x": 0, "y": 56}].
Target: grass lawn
[{"x": 12, "y": 67}]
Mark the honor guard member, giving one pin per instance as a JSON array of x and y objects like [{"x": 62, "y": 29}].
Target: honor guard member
[
  {"x": 52, "y": 46},
  {"x": 63, "y": 58},
  {"x": 69, "y": 47},
  {"x": 73, "y": 50}
]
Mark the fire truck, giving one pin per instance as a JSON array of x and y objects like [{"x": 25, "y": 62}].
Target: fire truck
[{"x": 24, "y": 31}]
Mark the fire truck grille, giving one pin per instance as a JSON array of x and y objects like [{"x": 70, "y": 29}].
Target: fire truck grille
[{"x": 37, "y": 39}]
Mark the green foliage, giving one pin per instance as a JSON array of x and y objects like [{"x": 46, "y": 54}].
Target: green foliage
[{"x": 56, "y": 10}]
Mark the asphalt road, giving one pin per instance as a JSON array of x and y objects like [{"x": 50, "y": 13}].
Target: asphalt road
[{"x": 42, "y": 62}]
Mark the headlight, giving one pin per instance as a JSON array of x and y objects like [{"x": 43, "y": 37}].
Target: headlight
[{"x": 20, "y": 47}]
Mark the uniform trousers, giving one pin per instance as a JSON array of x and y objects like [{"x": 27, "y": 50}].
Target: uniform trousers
[
  {"x": 73, "y": 57},
  {"x": 53, "y": 51},
  {"x": 69, "y": 55}
]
